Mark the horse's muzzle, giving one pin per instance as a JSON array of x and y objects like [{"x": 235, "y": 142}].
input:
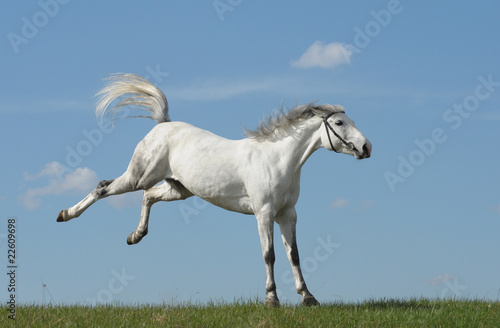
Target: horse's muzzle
[{"x": 365, "y": 152}]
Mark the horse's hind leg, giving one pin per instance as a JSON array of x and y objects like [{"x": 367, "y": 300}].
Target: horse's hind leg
[
  {"x": 147, "y": 167},
  {"x": 125, "y": 183},
  {"x": 104, "y": 188},
  {"x": 168, "y": 191}
]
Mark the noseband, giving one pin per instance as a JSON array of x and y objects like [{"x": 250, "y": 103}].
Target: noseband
[{"x": 329, "y": 128}]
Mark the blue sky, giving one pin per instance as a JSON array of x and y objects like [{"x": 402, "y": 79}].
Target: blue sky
[{"x": 421, "y": 217}]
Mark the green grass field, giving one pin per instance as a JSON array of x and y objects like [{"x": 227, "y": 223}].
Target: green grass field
[{"x": 375, "y": 313}]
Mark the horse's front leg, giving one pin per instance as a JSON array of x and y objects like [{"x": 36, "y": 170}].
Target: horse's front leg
[
  {"x": 288, "y": 221},
  {"x": 266, "y": 231}
]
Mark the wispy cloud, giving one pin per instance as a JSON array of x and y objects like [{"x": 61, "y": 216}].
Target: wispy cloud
[
  {"x": 220, "y": 89},
  {"x": 363, "y": 205},
  {"x": 44, "y": 106},
  {"x": 215, "y": 89},
  {"x": 52, "y": 169},
  {"x": 339, "y": 203},
  {"x": 324, "y": 55},
  {"x": 58, "y": 181},
  {"x": 131, "y": 199},
  {"x": 358, "y": 206},
  {"x": 438, "y": 280}
]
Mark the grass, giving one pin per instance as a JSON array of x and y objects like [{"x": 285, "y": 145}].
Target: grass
[{"x": 374, "y": 313}]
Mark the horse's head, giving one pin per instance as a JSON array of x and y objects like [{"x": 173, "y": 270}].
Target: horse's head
[{"x": 339, "y": 133}]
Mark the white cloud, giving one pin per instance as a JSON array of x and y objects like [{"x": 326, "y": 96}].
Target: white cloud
[
  {"x": 60, "y": 180},
  {"x": 358, "y": 206},
  {"x": 130, "y": 199},
  {"x": 438, "y": 280},
  {"x": 44, "y": 106},
  {"x": 339, "y": 203},
  {"x": 52, "y": 169},
  {"x": 220, "y": 89},
  {"x": 324, "y": 55},
  {"x": 363, "y": 205}
]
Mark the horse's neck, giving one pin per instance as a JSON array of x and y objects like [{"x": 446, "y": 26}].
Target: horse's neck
[{"x": 294, "y": 150}]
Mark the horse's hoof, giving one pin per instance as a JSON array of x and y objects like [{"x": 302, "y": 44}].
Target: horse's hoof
[
  {"x": 61, "y": 216},
  {"x": 272, "y": 302},
  {"x": 309, "y": 300},
  {"x": 130, "y": 239},
  {"x": 135, "y": 238}
]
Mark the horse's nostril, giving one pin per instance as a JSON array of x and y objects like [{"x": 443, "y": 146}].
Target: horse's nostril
[{"x": 366, "y": 150}]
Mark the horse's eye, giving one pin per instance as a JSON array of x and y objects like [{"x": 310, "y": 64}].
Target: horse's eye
[{"x": 339, "y": 122}]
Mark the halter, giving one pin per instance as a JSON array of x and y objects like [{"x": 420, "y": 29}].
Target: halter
[{"x": 329, "y": 128}]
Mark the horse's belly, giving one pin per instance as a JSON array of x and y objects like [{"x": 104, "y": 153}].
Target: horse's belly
[
  {"x": 213, "y": 169},
  {"x": 230, "y": 195},
  {"x": 240, "y": 205}
]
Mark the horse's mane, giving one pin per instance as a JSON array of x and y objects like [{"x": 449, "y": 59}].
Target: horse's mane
[{"x": 279, "y": 122}]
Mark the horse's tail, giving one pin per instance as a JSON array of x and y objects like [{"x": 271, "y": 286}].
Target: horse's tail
[{"x": 133, "y": 91}]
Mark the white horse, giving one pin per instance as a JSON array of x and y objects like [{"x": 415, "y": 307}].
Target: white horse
[{"x": 257, "y": 175}]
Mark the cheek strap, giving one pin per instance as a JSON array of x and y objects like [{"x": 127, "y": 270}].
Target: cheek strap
[{"x": 329, "y": 128}]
